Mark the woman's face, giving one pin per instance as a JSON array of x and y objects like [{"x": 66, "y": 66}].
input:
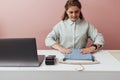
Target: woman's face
[{"x": 73, "y": 13}]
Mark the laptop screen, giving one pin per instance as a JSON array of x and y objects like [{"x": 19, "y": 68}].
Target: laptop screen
[{"x": 18, "y": 52}]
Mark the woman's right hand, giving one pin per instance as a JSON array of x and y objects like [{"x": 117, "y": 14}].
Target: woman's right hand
[
  {"x": 65, "y": 50},
  {"x": 61, "y": 49}
]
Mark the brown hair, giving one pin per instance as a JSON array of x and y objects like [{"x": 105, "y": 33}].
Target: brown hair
[{"x": 70, "y": 3}]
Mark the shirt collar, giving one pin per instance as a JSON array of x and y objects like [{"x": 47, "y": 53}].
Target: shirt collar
[{"x": 71, "y": 22}]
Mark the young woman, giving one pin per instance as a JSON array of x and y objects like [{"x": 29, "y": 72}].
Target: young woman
[{"x": 73, "y": 31}]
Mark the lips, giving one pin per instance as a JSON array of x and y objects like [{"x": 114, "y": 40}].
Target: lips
[{"x": 74, "y": 17}]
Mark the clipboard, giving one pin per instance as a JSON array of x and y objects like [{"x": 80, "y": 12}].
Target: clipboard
[
  {"x": 76, "y": 57},
  {"x": 76, "y": 62},
  {"x": 79, "y": 62}
]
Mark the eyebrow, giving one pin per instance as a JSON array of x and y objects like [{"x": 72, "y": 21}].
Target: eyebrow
[{"x": 74, "y": 11}]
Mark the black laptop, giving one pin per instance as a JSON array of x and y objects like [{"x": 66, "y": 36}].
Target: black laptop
[{"x": 19, "y": 52}]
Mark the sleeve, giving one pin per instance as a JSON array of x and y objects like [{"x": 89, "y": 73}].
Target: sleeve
[
  {"x": 53, "y": 36},
  {"x": 95, "y": 36}
]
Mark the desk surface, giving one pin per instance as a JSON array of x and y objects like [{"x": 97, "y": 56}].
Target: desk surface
[
  {"x": 115, "y": 53},
  {"x": 107, "y": 63},
  {"x": 108, "y": 69}
]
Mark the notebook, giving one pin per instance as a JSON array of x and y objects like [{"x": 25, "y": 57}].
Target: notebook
[{"x": 19, "y": 52}]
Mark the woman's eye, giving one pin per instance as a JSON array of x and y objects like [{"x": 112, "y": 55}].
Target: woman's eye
[
  {"x": 71, "y": 12},
  {"x": 76, "y": 11}
]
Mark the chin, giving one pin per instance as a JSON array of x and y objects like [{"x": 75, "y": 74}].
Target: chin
[{"x": 74, "y": 20}]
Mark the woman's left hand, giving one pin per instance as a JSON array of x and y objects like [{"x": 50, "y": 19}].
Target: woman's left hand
[{"x": 88, "y": 50}]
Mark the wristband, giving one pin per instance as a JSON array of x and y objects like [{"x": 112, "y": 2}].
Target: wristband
[
  {"x": 100, "y": 46},
  {"x": 94, "y": 46}
]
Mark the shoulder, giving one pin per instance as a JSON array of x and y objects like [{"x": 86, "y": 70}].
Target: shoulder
[
  {"x": 88, "y": 23},
  {"x": 59, "y": 24},
  {"x": 84, "y": 22}
]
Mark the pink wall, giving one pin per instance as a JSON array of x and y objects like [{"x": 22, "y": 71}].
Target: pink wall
[{"x": 36, "y": 18}]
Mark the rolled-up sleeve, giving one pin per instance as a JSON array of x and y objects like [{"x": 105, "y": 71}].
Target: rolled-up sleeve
[
  {"x": 52, "y": 37},
  {"x": 96, "y": 37}
]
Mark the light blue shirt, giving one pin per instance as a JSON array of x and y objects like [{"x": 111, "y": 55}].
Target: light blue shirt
[{"x": 71, "y": 34}]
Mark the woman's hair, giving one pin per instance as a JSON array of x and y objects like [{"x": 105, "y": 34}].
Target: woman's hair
[{"x": 70, "y": 3}]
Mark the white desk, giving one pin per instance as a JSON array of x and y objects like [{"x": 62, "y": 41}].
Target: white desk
[{"x": 108, "y": 69}]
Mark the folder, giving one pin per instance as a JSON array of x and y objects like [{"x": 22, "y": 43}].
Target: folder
[{"x": 77, "y": 55}]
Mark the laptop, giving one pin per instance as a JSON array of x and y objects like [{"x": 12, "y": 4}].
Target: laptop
[{"x": 19, "y": 52}]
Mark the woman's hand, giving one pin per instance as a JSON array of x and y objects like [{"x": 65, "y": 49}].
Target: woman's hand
[
  {"x": 88, "y": 50},
  {"x": 65, "y": 50},
  {"x": 61, "y": 49}
]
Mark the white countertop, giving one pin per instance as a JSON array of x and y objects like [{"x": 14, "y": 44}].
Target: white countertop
[{"x": 107, "y": 63}]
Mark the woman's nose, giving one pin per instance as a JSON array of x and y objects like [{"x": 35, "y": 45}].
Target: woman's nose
[{"x": 74, "y": 14}]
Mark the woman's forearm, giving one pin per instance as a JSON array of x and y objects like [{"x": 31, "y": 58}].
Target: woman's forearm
[{"x": 61, "y": 49}]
